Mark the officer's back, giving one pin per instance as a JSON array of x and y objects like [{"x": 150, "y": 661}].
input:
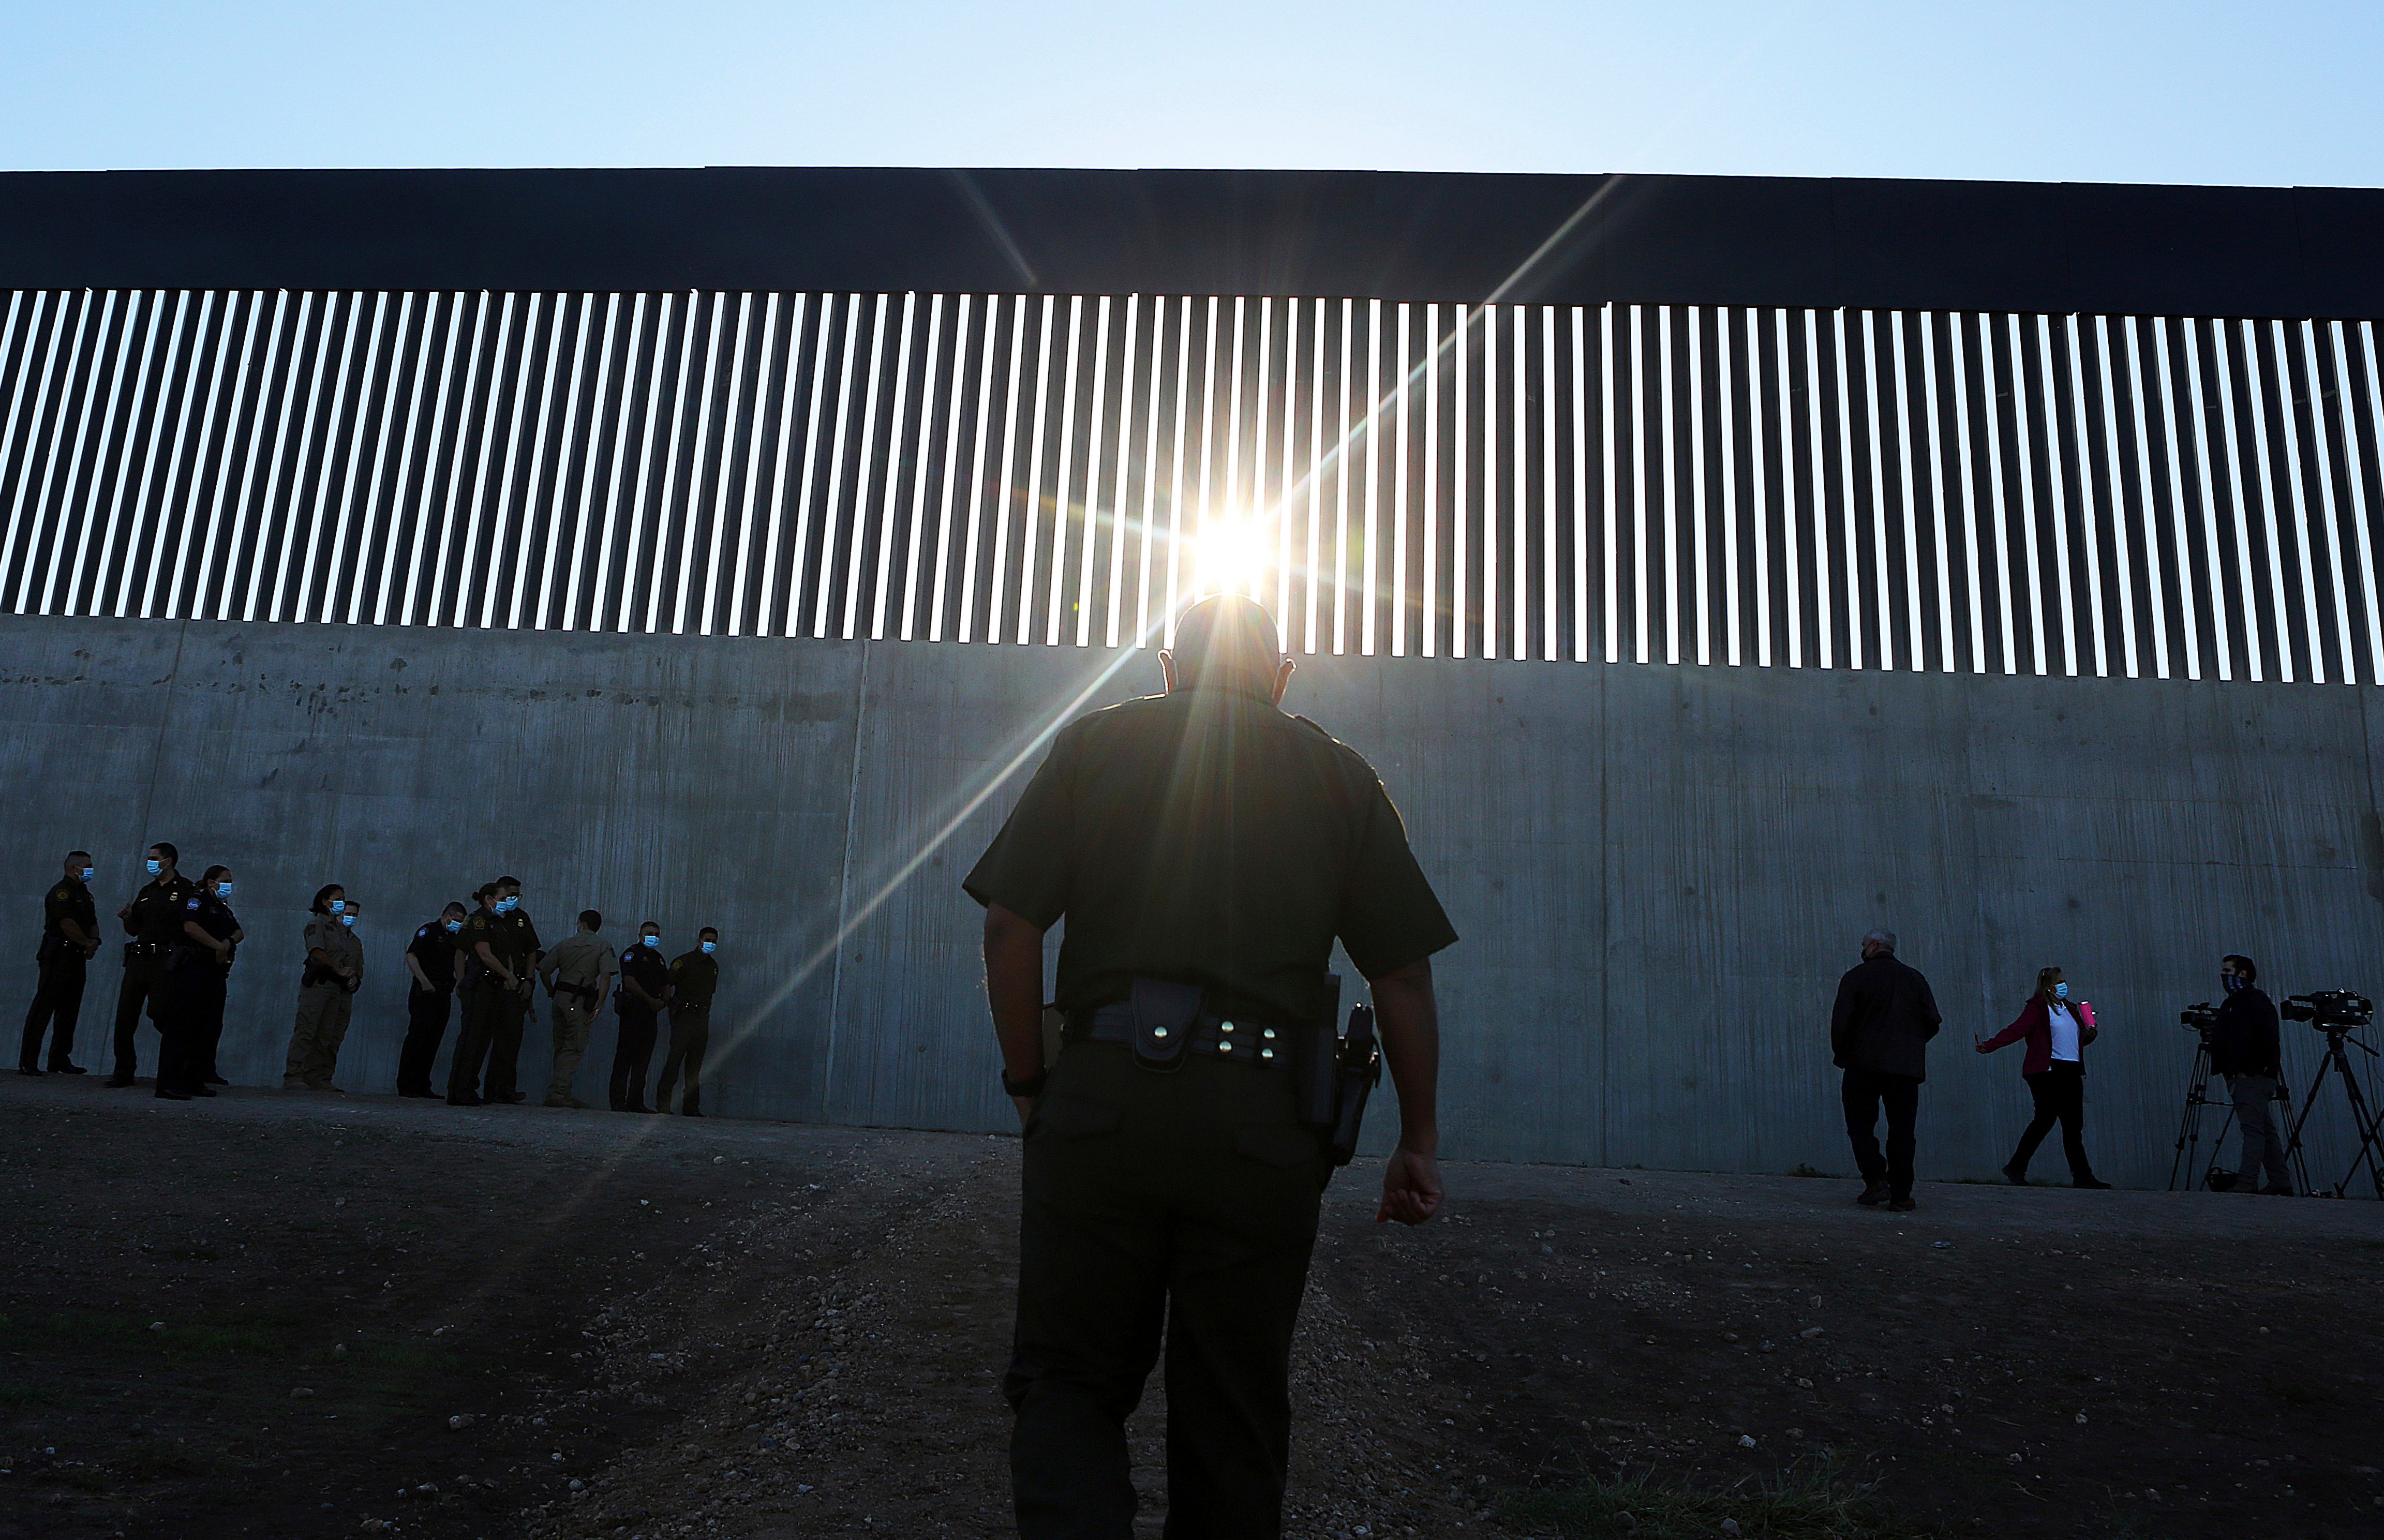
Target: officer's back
[{"x": 1205, "y": 851}]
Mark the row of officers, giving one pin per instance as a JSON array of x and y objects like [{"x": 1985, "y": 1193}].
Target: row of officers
[{"x": 488, "y": 958}]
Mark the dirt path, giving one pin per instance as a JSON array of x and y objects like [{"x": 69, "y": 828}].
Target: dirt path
[{"x": 272, "y": 1315}]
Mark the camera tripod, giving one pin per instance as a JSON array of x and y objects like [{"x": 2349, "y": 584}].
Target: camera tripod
[
  {"x": 2189, "y": 1128},
  {"x": 2370, "y": 1126}
]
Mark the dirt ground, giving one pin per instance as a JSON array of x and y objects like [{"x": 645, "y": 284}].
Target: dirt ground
[{"x": 301, "y": 1315}]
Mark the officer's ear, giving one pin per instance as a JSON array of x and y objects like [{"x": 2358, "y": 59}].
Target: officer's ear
[
  {"x": 1167, "y": 668},
  {"x": 1282, "y": 678}
]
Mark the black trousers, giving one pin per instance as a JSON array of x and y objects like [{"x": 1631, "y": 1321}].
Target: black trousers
[
  {"x": 142, "y": 978},
  {"x": 492, "y": 1033},
  {"x": 58, "y": 1001},
  {"x": 690, "y": 1034},
  {"x": 426, "y": 1029},
  {"x": 189, "y": 1019},
  {"x": 633, "y": 1055},
  {"x": 1865, "y": 1092},
  {"x": 1176, "y": 1209},
  {"x": 2060, "y": 1094}
]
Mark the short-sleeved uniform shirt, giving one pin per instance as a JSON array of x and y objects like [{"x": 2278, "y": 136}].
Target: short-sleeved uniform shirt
[
  {"x": 155, "y": 916},
  {"x": 68, "y": 899},
  {"x": 434, "y": 946},
  {"x": 211, "y": 915},
  {"x": 512, "y": 939},
  {"x": 645, "y": 965},
  {"x": 1206, "y": 836},
  {"x": 582, "y": 958},
  {"x": 694, "y": 977},
  {"x": 339, "y": 944}
]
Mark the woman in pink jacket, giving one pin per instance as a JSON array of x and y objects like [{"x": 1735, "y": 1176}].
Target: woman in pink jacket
[{"x": 2056, "y": 1033}]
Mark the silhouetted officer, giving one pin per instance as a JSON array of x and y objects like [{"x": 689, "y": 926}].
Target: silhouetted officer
[
  {"x": 433, "y": 959},
  {"x": 327, "y": 982},
  {"x": 645, "y": 982},
  {"x": 503, "y": 942},
  {"x": 576, "y": 972},
  {"x": 154, "y": 920},
  {"x": 694, "y": 978},
  {"x": 70, "y": 938},
  {"x": 190, "y": 988},
  {"x": 1205, "y": 850}
]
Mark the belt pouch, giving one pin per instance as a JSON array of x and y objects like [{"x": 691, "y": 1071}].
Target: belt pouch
[
  {"x": 1164, "y": 1016},
  {"x": 1359, "y": 1067}
]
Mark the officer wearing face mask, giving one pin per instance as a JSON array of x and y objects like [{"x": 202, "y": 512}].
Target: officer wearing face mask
[
  {"x": 645, "y": 983},
  {"x": 69, "y": 937},
  {"x": 694, "y": 976},
  {"x": 191, "y": 993},
  {"x": 503, "y": 942},
  {"x": 327, "y": 982},
  {"x": 154, "y": 920},
  {"x": 433, "y": 960}
]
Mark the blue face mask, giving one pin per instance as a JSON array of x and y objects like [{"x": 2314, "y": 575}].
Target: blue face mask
[
  {"x": 155, "y": 867},
  {"x": 348, "y": 920},
  {"x": 223, "y": 888},
  {"x": 339, "y": 906},
  {"x": 453, "y": 925},
  {"x": 2232, "y": 982},
  {"x": 655, "y": 942},
  {"x": 2061, "y": 991},
  {"x": 506, "y": 906},
  {"x": 708, "y": 946},
  {"x": 86, "y": 873}
]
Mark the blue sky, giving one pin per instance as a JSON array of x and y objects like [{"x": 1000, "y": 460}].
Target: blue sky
[{"x": 2177, "y": 92}]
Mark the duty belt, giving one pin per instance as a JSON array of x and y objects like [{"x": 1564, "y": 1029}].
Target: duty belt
[{"x": 1246, "y": 1042}]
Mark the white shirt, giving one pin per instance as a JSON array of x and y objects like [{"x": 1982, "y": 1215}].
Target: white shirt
[{"x": 2065, "y": 1033}]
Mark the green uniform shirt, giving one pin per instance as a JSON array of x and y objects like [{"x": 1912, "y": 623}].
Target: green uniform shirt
[
  {"x": 70, "y": 900},
  {"x": 1208, "y": 838},
  {"x": 339, "y": 943},
  {"x": 694, "y": 977}
]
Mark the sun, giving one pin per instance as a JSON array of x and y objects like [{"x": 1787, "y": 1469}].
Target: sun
[{"x": 1230, "y": 556}]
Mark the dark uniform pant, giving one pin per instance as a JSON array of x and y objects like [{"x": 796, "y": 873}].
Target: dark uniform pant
[
  {"x": 2060, "y": 1095},
  {"x": 690, "y": 1034},
  {"x": 1865, "y": 1092},
  {"x": 58, "y": 1001},
  {"x": 190, "y": 1020},
  {"x": 492, "y": 1031},
  {"x": 1179, "y": 1206},
  {"x": 631, "y": 1055},
  {"x": 142, "y": 976},
  {"x": 426, "y": 1029}
]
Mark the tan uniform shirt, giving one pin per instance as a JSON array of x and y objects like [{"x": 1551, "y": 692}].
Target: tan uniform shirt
[
  {"x": 339, "y": 944},
  {"x": 582, "y": 958}
]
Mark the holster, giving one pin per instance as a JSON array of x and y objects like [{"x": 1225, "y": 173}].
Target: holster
[
  {"x": 1361, "y": 1067},
  {"x": 1164, "y": 1016},
  {"x": 315, "y": 973},
  {"x": 1315, "y": 1079}
]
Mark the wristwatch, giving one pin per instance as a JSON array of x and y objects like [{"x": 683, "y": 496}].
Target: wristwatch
[{"x": 1027, "y": 1088}]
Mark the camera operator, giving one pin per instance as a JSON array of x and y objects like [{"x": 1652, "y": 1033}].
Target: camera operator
[{"x": 2244, "y": 1048}]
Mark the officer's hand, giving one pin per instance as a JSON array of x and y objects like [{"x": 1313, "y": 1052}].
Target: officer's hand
[
  {"x": 1411, "y": 1189},
  {"x": 1025, "y": 1105}
]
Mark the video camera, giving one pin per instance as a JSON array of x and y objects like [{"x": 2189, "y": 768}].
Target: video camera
[
  {"x": 2202, "y": 1016},
  {"x": 2329, "y": 1010}
]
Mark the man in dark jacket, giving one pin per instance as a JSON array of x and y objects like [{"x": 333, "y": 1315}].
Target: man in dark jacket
[
  {"x": 1878, "y": 1035},
  {"x": 2244, "y": 1048}
]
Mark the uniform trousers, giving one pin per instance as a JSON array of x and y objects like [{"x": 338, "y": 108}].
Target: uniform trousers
[
  {"x": 316, "y": 1036},
  {"x": 190, "y": 1007},
  {"x": 142, "y": 976},
  {"x": 690, "y": 1034},
  {"x": 571, "y": 1025},
  {"x": 632, "y": 1054},
  {"x": 2060, "y": 1095},
  {"x": 1159, "y": 1209},
  {"x": 426, "y": 1029},
  {"x": 58, "y": 1001},
  {"x": 492, "y": 1033},
  {"x": 1865, "y": 1092},
  {"x": 2253, "y": 1094}
]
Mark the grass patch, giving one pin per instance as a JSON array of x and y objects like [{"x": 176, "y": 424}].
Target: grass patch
[
  {"x": 1810, "y": 1500},
  {"x": 1805, "y": 1168}
]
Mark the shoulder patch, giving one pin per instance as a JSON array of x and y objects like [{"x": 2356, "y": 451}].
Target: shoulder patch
[{"x": 193, "y": 905}]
